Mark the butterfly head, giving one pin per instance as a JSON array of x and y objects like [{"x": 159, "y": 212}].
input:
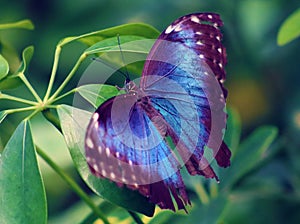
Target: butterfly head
[{"x": 130, "y": 87}]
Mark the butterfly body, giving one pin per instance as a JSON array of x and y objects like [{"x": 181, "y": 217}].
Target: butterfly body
[{"x": 180, "y": 97}]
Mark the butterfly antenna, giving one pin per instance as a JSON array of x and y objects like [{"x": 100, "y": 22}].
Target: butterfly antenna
[
  {"x": 123, "y": 60},
  {"x": 109, "y": 65}
]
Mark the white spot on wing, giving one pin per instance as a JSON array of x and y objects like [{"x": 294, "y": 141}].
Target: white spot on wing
[
  {"x": 201, "y": 56},
  {"x": 95, "y": 167},
  {"x": 220, "y": 65},
  {"x": 218, "y": 38},
  {"x": 198, "y": 33},
  {"x": 112, "y": 175},
  {"x": 169, "y": 29},
  {"x": 178, "y": 28},
  {"x": 107, "y": 151},
  {"x": 199, "y": 42},
  {"x": 195, "y": 19},
  {"x": 89, "y": 143},
  {"x": 220, "y": 50},
  {"x": 209, "y": 16},
  {"x": 100, "y": 149},
  {"x": 96, "y": 125},
  {"x": 95, "y": 116}
]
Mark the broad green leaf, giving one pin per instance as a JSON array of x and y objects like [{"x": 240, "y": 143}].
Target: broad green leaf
[
  {"x": 3, "y": 115},
  {"x": 210, "y": 213},
  {"x": 134, "y": 52},
  {"x": 22, "y": 193},
  {"x": 233, "y": 130},
  {"x": 96, "y": 94},
  {"x": 74, "y": 123},
  {"x": 249, "y": 155},
  {"x": 290, "y": 29},
  {"x": 4, "y": 68},
  {"x": 139, "y": 45},
  {"x": 10, "y": 82},
  {"x": 137, "y": 29},
  {"x": 22, "y": 24}
]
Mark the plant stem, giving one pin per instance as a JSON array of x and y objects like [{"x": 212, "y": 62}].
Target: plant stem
[
  {"x": 203, "y": 196},
  {"x": 53, "y": 72},
  {"x": 17, "y": 99},
  {"x": 65, "y": 94},
  {"x": 75, "y": 187},
  {"x": 52, "y": 119},
  {"x": 30, "y": 88},
  {"x": 10, "y": 111},
  {"x": 135, "y": 217},
  {"x": 69, "y": 76}
]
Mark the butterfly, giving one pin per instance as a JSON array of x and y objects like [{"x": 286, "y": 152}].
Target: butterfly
[{"x": 143, "y": 138}]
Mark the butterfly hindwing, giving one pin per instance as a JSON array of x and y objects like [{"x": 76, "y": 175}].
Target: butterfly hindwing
[{"x": 140, "y": 160}]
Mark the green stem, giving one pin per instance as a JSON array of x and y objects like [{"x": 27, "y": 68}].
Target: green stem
[
  {"x": 17, "y": 99},
  {"x": 135, "y": 217},
  {"x": 30, "y": 88},
  {"x": 202, "y": 194},
  {"x": 69, "y": 76},
  {"x": 64, "y": 95},
  {"x": 52, "y": 119},
  {"x": 75, "y": 187},
  {"x": 53, "y": 72},
  {"x": 10, "y": 111}
]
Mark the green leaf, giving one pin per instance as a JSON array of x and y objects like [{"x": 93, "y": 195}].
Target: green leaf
[
  {"x": 249, "y": 155},
  {"x": 233, "y": 130},
  {"x": 22, "y": 24},
  {"x": 26, "y": 58},
  {"x": 139, "y": 45},
  {"x": 137, "y": 29},
  {"x": 4, "y": 67},
  {"x": 74, "y": 123},
  {"x": 290, "y": 29},
  {"x": 211, "y": 212},
  {"x": 96, "y": 94},
  {"x": 3, "y": 115},
  {"x": 22, "y": 193},
  {"x": 12, "y": 81}
]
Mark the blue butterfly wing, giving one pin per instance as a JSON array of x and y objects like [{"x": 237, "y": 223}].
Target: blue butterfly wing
[
  {"x": 181, "y": 88},
  {"x": 123, "y": 144},
  {"x": 183, "y": 77}
]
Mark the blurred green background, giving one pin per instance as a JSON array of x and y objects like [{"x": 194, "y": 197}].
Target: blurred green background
[{"x": 263, "y": 79}]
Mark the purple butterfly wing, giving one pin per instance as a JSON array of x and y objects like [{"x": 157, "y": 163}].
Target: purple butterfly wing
[
  {"x": 124, "y": 143},
  {"x": 183, "y": 77}
]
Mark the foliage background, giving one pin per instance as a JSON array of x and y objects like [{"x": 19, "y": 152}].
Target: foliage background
[{"x": 262, "y": 79}]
